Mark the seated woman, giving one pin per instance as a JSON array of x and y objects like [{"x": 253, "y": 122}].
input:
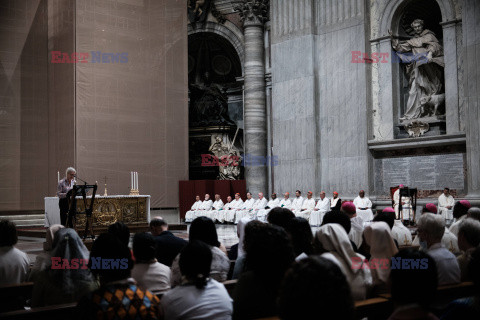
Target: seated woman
[
  {"x": 198, "y": 296},
  {"x": 269, "y": 253},
  {"x": 333, "y": 242},
  {"x": 58, "y": 283},
  {"x": 382, "y": 248},
  {"x": 203, "y": 229},
  {"x": 43, "y": 259},
  {"x": 315, "y": 286}
]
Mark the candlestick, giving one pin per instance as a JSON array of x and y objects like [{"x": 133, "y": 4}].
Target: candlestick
[
  {"x": 131, "y": 180},
  {"x": 136, "y": 180}
]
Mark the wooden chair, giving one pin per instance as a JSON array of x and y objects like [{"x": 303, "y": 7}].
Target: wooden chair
[{"x": 378, "y": 307}]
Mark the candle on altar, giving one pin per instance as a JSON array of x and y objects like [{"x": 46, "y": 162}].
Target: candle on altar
[
  {"x": 136, "y": 181},
  {"x": 131, "y": 180},
  {"x": 58, "y": 175}
]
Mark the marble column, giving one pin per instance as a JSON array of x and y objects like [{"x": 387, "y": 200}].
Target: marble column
[{"x": 254, "y": 14}]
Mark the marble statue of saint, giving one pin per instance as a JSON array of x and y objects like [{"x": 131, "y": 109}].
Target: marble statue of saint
[{"x": 425, "y": 71}]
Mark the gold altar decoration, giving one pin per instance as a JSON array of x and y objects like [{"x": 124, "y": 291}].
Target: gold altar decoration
[{"x": 106, "y": 211}]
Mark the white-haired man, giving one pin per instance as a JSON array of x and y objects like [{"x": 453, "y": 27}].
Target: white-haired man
[
  {"x": 260, "y": 204},
  {"x": 217, "y": 205},
  {"x": 431, "y": 228},
  {"x": 307, "y": 206},
  {"x": 322, "y": 207},
  {"x": 190, "y": 215},
  {"x": 246, "y": 208},
  {"x": 222, "y": 213},
  {"x": 468, "y": 241},
  {"x": 286, "y": 202},
  {"x": 204, "y": 210},
  {"x": 63, "y": 187}
]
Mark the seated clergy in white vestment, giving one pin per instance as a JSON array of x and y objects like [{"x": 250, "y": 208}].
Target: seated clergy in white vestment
[
  {"x": 217, "y": 205},
  {"x": 297, "y": 202},
  {"x": 431, "y": 228},
  {"x": 236, "y": 205},
  {"x": 260, "y": 204},
  {"x": 221, "y": 213},
  {"x": 322, "y": 207},
  {"x": 307, "y": 206},
  {"x": 190, "y": 215},
  {"x": 273, "y": 203},
  {"x": 364, "y": 206},
  {"x": 206, "y": 206},
  {"x": 445, "y": 205},
  {"x": 286, "y": 202},
  {"x": 246, "y": 208}
]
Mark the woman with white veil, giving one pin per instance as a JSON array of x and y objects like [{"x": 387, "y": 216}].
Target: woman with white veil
[{"x": 68, "y": 280}]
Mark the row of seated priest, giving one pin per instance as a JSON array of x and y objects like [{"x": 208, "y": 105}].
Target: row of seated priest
[{"x": 313, "y": 210}]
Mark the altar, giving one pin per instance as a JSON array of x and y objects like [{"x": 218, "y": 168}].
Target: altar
[{"x": 130, "y": 210}]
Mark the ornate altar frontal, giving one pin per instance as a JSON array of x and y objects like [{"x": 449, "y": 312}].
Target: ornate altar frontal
[{"x": 131, "y": 210}]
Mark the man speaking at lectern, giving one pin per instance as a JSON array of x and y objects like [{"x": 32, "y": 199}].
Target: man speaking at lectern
[{"x": 65, "y": 185}]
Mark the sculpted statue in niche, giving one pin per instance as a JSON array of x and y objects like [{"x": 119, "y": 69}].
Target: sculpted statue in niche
[
  {"x": 229, "y": 158},
  {"x": 424, "y": 54},
  {"x": 198, "y": 10}
]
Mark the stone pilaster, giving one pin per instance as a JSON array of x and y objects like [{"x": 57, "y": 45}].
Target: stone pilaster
[{"x": 254, "y": 14}]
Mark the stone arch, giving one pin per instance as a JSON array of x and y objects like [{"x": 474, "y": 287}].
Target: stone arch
[
  {"x": 394, "y": 9},
  {"x": 230, "y": 32}
]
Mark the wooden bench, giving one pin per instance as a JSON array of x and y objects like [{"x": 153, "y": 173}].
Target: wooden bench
[
  {"x": 230, "y": 286},
  {"x": 55, "y": 312},
  {"x": 14, "y": 297}
]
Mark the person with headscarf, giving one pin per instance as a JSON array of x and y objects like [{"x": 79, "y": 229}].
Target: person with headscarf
[
  {"x": 67, "y": 278},
  {"x": 199, "y": 296},
  {"x": 43, "y": 259},
  {"x": 460, "y": 211},
  {"x": 335, "y": 244},
  {"x": 382, "y": 248},
  {"x": 401, "y": 234},
  {"x": 240, "y": 261},
  {"x": 204, "y": 229}
]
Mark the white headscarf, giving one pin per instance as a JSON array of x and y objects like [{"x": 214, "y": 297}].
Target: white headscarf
[
  {"x": 47, "y": 245},
  {"x": 379, "y": 237},
  {"x": 241, "y": 234},
  {"x": 334, "y": 239}
]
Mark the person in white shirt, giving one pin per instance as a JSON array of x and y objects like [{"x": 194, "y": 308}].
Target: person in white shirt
[
  {"x": 204, "y": 210},
  {"x": 190, "y": 215},
  {"x": 445, "y": 205},
  {"x": 260, "y": 204},
  {"x": 297, "y": 202},
  {"x": 14, "y": 264},
  {"x": 364, "y": 206},
  {"x": 323, "y": 205},
  {"x": 235, "y": 207},
  {"x": 246, "y": 208},
  {"x": 460, "y": 211},
  {"x": 147, "y": 271},
  {"x": 222, "y": 212},
  {"x": 406, "y": 205},
  {"x": 217, "y": 205},
  {"x": 194, "y": 298},
  {"x": 273, "y": 203},
  {"x": 431, "y": 228},
  {"x": 286, "y": 202},
  {"x": 307, "y": 207}
]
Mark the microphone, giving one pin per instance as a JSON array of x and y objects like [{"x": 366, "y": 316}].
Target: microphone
[{"x": 80, "y": 179}]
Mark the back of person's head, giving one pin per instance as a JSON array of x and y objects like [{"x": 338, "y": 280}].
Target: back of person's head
[
  {"x": 195, "y": 261},
  {"x": 204, "y": 229},
  {"x": 474, "y": 213},
  {"x": 281, "y": 217},
  {"x": 269, "y": 249},
  {"x": 338, "y": 217},
  {"x": 433, "y": 225},
  {"x": 50, "y": 236},
  {"x": 301, "y": 235},
  {"x": 348, "y": 208},
  {"x": 422, "y": 272},
  {"x": 461, "y": 208},
  {"x": 8, "y": 233},
  {"x": 469, "y": 230},
  {"x": 315, "y": 286},
  {"x": 473, "y": 267},
  {"x": 158, "y": 222},
  {"x": 385, "y": 216},
  {"x": 121, "y": 231},
  {"x": 68, "y": 245},
  {"x": 143, "y": 247},
  {"x": 110, "y": 258},
  {"x": 430, "y": 207}
]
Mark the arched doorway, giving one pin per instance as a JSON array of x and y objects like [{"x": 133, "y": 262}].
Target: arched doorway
[{"x": 215, "y": 105}]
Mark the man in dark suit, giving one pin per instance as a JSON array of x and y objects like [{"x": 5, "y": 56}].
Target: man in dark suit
[{"x": 168, "y": 246}]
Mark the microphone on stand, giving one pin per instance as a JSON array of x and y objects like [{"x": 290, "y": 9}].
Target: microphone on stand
[{"x": 80, "y": 179}]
